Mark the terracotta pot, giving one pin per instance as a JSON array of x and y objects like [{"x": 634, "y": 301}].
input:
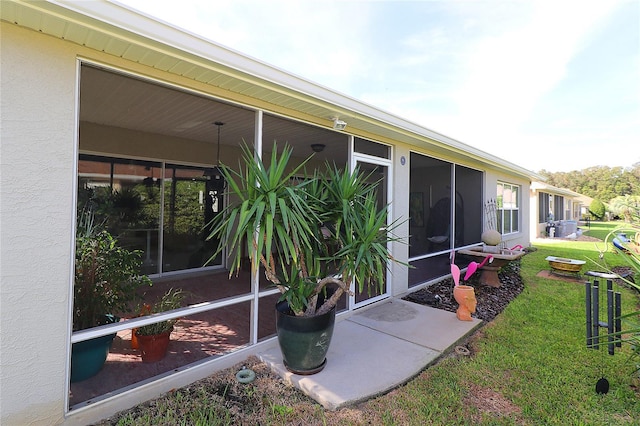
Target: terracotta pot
[
  {"x": 134, "y": 338},
  {"x": 154, "y": 347},
  {"x": 466, "y": 297}
]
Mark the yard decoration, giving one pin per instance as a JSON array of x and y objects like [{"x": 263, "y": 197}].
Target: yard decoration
[
  {"x": 106, "y": 279},
  {"x": 489, "y": 270},
  {"x": 616, "y": 333},
  {"x": 465, "y": 295},
  {"x": 613, "y": 324},
  {"x": 625, "y": 245},
  {"x": 474, "y": 266},
  {"x": 245, "y": 375},
  {"x": 304, "y": 234},
  {"x": 455, "y": 274},
  {"x": 491, "y": 237},
  {"x": 491, "y": 255},
  {"x": 563, "y": 266}
]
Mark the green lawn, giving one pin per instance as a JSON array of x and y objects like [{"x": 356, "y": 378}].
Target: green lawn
[{"x": 599, "y": 229}]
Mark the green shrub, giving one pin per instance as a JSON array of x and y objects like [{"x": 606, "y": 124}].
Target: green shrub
[{"x": 597, "y": 209}]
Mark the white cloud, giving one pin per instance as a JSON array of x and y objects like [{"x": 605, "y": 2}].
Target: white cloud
[
  {"x": 318, "y": 41},
  {"x": 508, "y": 69},
  {"x": 509, "y": 72}
]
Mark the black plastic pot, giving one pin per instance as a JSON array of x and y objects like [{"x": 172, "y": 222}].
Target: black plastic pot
[{"x": 304, "y": 341}]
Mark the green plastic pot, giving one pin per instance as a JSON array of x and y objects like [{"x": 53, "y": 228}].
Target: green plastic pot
[
  {"x": 88, "y": 357},
  {"x": 304, "y": 341}
]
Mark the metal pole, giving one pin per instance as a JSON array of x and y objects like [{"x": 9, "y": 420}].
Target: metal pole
[
  {"x": 618, "y": 314},
  {"x": 595, "y": 318},
  {"x": 610, "y": 324}
]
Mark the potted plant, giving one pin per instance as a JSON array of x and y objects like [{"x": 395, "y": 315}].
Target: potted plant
[
  {"x": 153, "y": 339},
  {"x": 106, "y": 279},
  {"x": 306, "y": 234}
]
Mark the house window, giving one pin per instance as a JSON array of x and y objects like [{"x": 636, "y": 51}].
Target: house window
[
  {"x": 375, "y": 149},
  {"x": 545, "y": 204},
  {"x": 558, "y": 207},
  {"x": 508, "y": 208},
  {"x": 127, "y": 198}
]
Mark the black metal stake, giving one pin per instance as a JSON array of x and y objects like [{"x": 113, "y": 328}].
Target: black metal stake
[
  {"x": 618, "y": 307},
  {"x": 610, "y": 324},
  {"x": 595, "y": 318},
  {"x": 614, "y": 316}
]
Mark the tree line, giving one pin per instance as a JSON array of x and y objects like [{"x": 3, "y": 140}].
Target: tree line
[{"x": 600, "y": 182}]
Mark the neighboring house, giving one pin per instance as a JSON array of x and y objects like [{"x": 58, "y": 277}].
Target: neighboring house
[
  {"x": 95, "y": 95},
  {"x": 555, "y": 210},
  {"x": 584, "y": 203}
]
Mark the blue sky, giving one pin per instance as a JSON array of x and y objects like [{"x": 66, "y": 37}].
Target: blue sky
[{"x": 544, "y": 84}]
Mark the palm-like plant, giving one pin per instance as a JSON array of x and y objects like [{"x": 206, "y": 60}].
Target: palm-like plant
[
  {"x": 627, "y": 206},
  {"x": 305, "y": 233}
]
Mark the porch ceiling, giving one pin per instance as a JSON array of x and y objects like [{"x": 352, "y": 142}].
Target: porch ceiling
[{"x": 112, "y": 99}]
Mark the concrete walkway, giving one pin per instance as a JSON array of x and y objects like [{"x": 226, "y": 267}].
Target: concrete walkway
[{"x": 376, "y": 350}]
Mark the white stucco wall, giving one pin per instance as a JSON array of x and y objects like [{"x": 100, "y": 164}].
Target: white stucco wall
[
  {"x": 37, "y": 159},
  {"x": 492, "y": 177},
  {"x": 400, "y": 207}
]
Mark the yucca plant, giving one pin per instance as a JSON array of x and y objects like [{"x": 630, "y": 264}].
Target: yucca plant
[{"x": 306, "y": 230}]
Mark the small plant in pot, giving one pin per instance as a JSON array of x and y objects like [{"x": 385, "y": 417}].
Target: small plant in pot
[
  {"x": 153, "y": 339},
  {"x": 106, "y": 280},
  {"x": 325, "y": 229}
]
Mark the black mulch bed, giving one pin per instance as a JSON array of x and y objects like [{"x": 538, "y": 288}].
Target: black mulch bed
[{"x": 491, "y": 300}]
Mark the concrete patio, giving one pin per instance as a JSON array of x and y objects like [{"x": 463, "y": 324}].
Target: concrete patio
[{"x": 376, "y": 350}]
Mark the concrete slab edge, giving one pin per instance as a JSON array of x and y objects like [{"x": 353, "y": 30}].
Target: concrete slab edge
[{"x": 334, "y": 407}]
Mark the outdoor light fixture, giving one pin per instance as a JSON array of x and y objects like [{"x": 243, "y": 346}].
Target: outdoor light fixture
[
  {"x": 219, "y": 124},
  {"x": 317, "y": 147},
  {"x": 215, "y": 173},
  {"x": 339, "y": 124}
]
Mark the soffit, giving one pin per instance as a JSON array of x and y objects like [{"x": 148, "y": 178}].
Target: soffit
[
  {"x": 115, "y": 30},
  {"x": 541, "y": 186},
  {"x": 114, "y": 99}
]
